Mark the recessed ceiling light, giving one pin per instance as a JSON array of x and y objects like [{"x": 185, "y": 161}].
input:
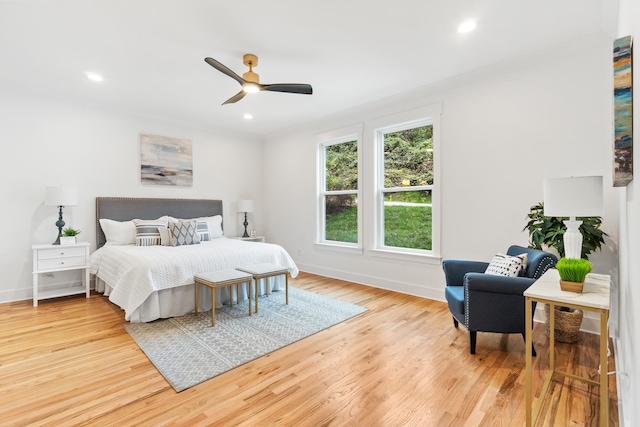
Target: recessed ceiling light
[
  {"x": 95, "y": 77},
  {"x": 467, "y": 26},
  {"x": 248, "y": 116}
]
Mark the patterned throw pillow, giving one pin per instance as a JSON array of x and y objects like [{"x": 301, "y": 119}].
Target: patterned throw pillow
[
  {"x": 147, "y": 231},
  {"x": 505, "y": 265},
  {"x": 183, "y": 233}
]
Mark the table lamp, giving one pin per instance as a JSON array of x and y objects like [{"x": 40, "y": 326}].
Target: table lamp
[
  {"x": 60, "y": 197},
  {"x": 245, "y": 206},
  {"x": 573, "y": 197}
]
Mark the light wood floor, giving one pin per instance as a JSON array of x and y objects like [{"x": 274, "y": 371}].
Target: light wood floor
[{"x": 402, "y": 363}]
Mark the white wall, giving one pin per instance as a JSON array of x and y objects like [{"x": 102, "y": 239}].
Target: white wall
[
  {"x": 47, "y": 142},
  {"x": 503, "y": 131},
  {"x": 628, "y": 342}
]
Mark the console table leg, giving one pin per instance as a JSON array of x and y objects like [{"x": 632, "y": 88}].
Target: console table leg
[
  {"x": 604, "y": 368},
  {"x": 528, "y": 355}
]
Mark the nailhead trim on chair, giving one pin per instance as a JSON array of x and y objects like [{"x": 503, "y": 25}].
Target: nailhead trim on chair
[
  {"x": 466, "y": 306},
  {"x": 548, "y": 263}
]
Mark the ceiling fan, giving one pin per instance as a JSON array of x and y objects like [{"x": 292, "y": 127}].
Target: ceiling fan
[{"x": 250, "y": 81}]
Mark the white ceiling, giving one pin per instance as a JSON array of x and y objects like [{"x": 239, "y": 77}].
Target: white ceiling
[{"x": 151, "y": 52}]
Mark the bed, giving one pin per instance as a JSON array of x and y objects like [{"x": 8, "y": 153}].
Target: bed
[{"x": 154, "y": 280}]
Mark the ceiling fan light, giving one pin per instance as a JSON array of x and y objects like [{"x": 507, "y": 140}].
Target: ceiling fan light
[{"x": 250, "y": 88}]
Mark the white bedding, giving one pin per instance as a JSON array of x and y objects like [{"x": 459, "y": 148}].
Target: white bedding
[{"x": 133, "y": 275}]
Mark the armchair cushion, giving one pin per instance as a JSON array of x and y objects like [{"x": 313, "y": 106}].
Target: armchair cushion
[
  {"x": 507, "y": 265},
  {"x": 455, "y": 301}
]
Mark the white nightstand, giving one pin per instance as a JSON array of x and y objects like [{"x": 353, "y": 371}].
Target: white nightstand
[
  {"x": 260, "y": 239},
  {"x": 53, "y": 258}
]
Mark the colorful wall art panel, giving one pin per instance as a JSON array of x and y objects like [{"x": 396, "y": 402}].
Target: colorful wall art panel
[{"x": 623, "y": 115}]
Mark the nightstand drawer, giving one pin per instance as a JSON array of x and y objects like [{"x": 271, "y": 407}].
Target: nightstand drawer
[
  {"x": 65, "y": 262},
  {"x": 60, "y": 253}
]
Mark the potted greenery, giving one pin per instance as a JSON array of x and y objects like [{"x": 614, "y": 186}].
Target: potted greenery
[
  {"x": 68, "y": 236},
  {"x": 572, "y": 273},
  {"x": 547, "y": 232}
]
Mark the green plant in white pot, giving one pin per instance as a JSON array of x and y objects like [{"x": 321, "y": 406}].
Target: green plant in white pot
[{"x": 68, "y": 236}]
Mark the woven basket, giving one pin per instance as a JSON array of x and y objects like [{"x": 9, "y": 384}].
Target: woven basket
[{"x": 567, "y": 324}]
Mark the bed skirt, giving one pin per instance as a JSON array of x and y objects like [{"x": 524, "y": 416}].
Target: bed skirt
[{"x": 180, "y": 300}]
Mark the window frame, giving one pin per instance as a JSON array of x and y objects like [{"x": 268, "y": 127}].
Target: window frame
[
  {"x": 325, "y": 140},
  {"x": 402, "y": 121}
]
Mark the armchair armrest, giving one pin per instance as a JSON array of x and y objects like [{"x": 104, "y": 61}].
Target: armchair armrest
[
  {"x": 478, "y": 282},
  {"x": 454, "y": 270}
]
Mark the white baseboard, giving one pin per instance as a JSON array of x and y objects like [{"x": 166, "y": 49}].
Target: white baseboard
[{"x": 376, "y": 282}]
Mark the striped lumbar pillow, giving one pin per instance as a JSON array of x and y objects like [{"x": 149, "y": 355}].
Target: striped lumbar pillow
[
  {"x": 203, "y": 230},
  {"x": 147, "y": 231}
]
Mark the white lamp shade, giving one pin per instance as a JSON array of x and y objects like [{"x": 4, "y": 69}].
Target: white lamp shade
[
  {"x": 60, "y": 196},
  {"x": 573, "y": 197},
  {"x": 245, "y": 206}
]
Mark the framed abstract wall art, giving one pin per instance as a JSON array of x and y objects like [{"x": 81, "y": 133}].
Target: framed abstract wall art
[
  {"x": 166, "y": 161},
  {"x": 623, "y": 113}
]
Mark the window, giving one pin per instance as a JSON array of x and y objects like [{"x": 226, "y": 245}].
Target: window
[
  {"x": 378, "y": 190},
  {"x": 339, "y": 191},
  {"x": 405, "y": 186}
]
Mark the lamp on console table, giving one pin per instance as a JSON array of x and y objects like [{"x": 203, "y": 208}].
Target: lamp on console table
[
  {"x": 573, "y": 197},
  {"x": 60, "y": 197},
  {"x": 245, "y": 206}
]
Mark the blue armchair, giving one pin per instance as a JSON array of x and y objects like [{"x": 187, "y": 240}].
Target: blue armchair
[{"x": 492, "y": 303}]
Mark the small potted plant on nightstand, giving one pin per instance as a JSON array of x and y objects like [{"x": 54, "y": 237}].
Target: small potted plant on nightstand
[{"x": 68, "y": 236}]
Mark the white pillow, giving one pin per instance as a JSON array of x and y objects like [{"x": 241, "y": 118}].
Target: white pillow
[
  {"x": 214, "y": 225},
  {"x": 118, "y": 232},
  {"x": 505, "y": 265},
  {"x": 165, "y": 236}
]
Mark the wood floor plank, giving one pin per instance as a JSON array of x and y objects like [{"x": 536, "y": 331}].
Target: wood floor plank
[{"x": 69, "y": 362}]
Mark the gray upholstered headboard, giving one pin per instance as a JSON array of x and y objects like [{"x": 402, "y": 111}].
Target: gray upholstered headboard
[{"x": 125, "y": 209}]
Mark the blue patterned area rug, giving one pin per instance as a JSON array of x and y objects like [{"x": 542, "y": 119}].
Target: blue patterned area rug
[{"x": 187, "y": 350}]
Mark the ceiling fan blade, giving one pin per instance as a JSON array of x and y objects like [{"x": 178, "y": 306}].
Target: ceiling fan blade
[
  {"x": 223, "y": 69},
  {"x": 235, "y": 98},
  {"x": 289, "y": 88}
]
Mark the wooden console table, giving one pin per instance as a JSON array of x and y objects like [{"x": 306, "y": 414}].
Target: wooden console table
[{"x": 594, "y": 297}]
